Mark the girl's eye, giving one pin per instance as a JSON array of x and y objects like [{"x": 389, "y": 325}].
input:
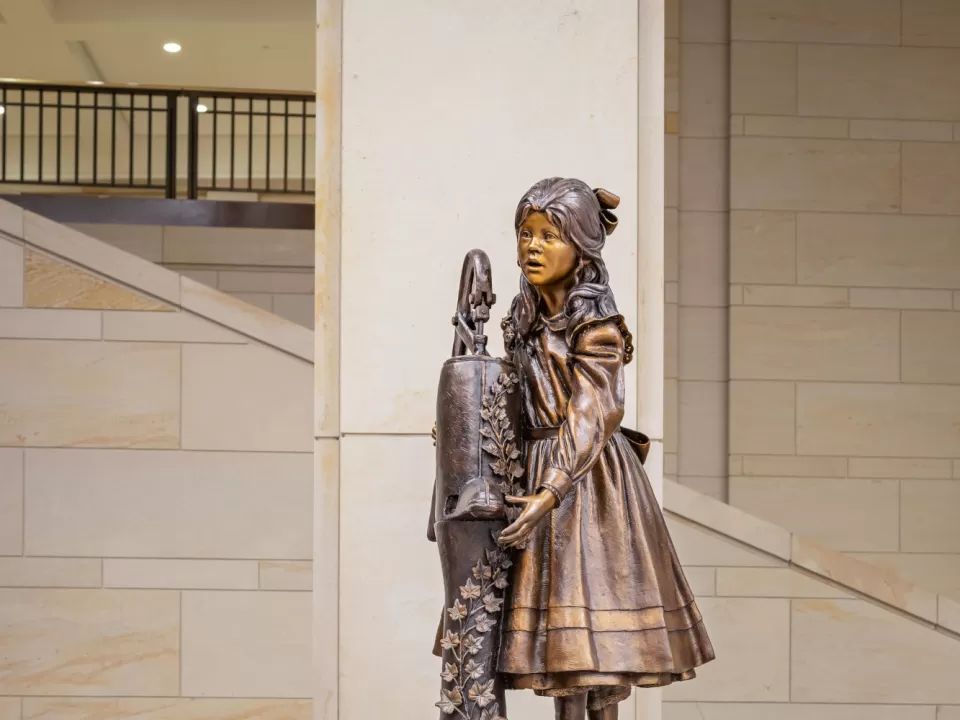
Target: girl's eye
[{"x": 551, "y": 237}]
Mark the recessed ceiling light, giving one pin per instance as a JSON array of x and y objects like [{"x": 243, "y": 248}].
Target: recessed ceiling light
[
  {"x": 94, "y": 82},
  {"x": 202, "y": 108},
  {"x": 2, "y": 109},
  {"x": 172, "y": 47}
]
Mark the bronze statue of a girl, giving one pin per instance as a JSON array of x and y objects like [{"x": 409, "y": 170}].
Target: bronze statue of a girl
[{"x": 596, "y": 601}]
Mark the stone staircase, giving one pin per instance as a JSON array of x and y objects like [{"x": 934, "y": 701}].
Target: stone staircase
[{"x": 801, "y": 631}]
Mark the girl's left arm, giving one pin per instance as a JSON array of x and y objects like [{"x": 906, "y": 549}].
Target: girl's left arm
[{"x": 595, "y": 408}]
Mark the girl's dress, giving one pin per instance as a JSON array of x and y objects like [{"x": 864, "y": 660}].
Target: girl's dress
[{"x": 598, "y": 600}]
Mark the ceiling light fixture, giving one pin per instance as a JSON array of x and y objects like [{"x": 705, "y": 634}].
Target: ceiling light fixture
[
  {"x": 172, "y": 47},
  {"x": 94, "y": 82},
  {"x": 2, "y": 109},
  {"x": 202, "y": 108}
]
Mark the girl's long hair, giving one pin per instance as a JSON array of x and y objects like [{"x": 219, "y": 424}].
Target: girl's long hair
[{"x": 574, "y": 208}]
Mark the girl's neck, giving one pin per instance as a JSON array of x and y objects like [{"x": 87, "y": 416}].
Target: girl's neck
[{"x": 554, "y": 297}]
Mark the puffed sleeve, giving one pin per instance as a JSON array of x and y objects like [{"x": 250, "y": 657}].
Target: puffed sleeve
[{"x": 595, "y": 408}]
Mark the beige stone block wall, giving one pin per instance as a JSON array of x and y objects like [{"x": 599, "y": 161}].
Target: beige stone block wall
[
  {"x": 845, "y": 191},
  {"x": 794, "y": 645},
  {"x": 270, "y": 269},
  {"x": 155, "y": 489}
]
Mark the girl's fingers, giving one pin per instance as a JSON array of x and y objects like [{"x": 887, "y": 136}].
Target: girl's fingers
[
  {"x": 513, "y": 532},
  {"x": 517, "y": 499},
  {"x": 518, "y": 535}
]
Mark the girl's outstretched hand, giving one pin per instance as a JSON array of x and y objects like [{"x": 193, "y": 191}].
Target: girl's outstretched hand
[{"x": 535, "y": 507}]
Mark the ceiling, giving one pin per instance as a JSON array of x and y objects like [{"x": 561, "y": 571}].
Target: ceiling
[{"x": 261, "y": 44}]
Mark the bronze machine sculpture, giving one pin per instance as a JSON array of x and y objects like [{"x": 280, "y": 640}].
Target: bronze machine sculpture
[{"x": 559, "y": 572}]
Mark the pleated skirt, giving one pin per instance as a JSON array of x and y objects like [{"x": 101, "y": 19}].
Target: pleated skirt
[{"x": 598, "y": 599}]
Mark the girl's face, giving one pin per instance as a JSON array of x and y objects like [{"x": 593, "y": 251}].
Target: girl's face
[{"x": 546, "y": 259}]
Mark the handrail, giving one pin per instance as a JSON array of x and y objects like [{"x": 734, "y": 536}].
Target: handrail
[
  {"x": 129, "y": 136},
  {"x": 206, "y": 90}
]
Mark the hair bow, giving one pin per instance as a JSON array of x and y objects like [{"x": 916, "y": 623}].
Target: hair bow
[{"x": 608, "y": 202}]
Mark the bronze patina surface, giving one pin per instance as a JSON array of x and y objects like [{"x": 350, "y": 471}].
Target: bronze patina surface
[{"x": 594, "y": 600}]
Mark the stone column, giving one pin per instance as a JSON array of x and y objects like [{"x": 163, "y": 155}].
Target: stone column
[
  {"x": 650, "y": 201},
  {"x": 326, "y": 526},
  {"x": 451, "y": 111}
]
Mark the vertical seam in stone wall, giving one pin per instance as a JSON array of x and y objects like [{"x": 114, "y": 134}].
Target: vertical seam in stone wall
[
  {"x": 180, "y": 404},
  {"x": 339, "y": 353},
  {"x": 796, "y": 419},
  {"x": 790, "y": 651},
  {"x": 796, "y": 248},
  {"x": 23, "y": 272},
  {"x": 180, "y": 644},
  {"x": 23, "y": 502},
  {"x": 796, "y": 81},
  {"x": 900, "y": 338},
  {"x": 900, "y": 158},
  {"x": 728, "y": 204},
  {"x": 900, "y": 515}
]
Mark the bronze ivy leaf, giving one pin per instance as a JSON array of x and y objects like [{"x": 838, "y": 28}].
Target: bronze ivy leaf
[
  {"x": 492, "y": 603},
  {"x": 472, "y": 670},
  {"x": 478, "y": 570},
  {"x": 482, "y": 693},
  {"x": 469, "y": 591},
  {"x": 492, "y": 449},
  {"x": 450, "y": 700},
  {"x": 450, "y": 673},
  {"x": 458, "y": 611},
  {"x": 472, "y": 645},
  {"x": 501, "y": 582},
  {"x": 450, "y": 640},
  {"x": 485, "y": 624},
  {"x": 492, "y": 713},
  {"x": 506, "y": 563}
]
